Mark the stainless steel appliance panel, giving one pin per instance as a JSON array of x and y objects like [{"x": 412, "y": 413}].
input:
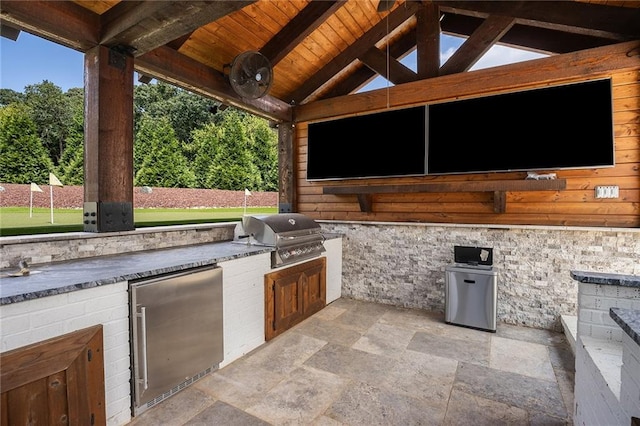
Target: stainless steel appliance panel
[
  {"x": 471, "y": 297},
  {"x": 176, "y": 330}
]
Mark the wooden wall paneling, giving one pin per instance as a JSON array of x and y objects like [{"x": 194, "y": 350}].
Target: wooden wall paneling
[{"x": 574, "y": 206}]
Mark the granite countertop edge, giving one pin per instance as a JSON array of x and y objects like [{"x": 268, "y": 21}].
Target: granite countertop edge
[
  {"x": 628, "y": 320},
  {"x": 604, "y": 278}
]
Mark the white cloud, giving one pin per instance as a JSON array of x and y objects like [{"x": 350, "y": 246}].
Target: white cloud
[
  {"x": 502, "y": 55},
  {"x": 445, "y": 55}
]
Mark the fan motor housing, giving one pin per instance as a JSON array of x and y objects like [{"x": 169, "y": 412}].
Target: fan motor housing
[{"x": 251, "y": 75}]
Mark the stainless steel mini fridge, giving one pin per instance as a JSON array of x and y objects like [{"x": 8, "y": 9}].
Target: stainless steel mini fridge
[{"x": 471, "y": 295}]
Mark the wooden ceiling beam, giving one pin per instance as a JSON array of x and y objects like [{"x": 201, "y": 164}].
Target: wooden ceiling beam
[
  {"x": 619, "y": 57},
  {"x": 397, "y": 17},
  {"x": 428, "y": 41},
  {"x": 175, "y": 68},
  {"x": 614, "y": 23},
  {"x": 65, "y": 23},
  {"x": 364, "y": 74},
  {"x": 303, "y": 24},
  {"x": 143, "y": 26},
  {"x": 387, "y": 66},
  {"x": 487, "y": 34},
  {"x": 521, "y": 36}
]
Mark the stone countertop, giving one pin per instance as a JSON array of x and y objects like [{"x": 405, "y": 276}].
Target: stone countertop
[
  {"x": 628, "y": 320},
  {"x": 63, "y": 277},
  {"x": 606, "y": 278},
  {"x": 56, "y": 278}
]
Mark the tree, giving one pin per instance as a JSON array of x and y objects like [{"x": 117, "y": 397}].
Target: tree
[
  {"x": 161, "y": 161},
  {"x": 23, "y": 159},
  {"x": 51, "y": 113},
  {"x": 186, "y": 111},
  {"x": 206, "y": 146},
  {"x": 264, "y": 146},
  {"x": 9, "y": 96},
  {"x": 232, "y": 167},
  {"x": 71, "y": 165}
]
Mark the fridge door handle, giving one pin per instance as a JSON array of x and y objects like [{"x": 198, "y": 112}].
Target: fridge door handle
[
  {"x": 470, "y": 281},
  {"x": 143, "y": 327}
]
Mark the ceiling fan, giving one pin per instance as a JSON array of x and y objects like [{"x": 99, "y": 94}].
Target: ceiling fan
[{"x": 251, "y": 75}]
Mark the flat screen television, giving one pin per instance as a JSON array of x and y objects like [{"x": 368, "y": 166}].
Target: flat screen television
[
  {"x": 384, "y": 144},
  {"x": 560, "y": 127}
]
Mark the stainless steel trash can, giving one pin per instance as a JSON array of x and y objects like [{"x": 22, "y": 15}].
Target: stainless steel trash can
[{"x": 471, "y": 296}]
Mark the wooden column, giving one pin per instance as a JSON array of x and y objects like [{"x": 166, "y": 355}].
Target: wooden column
[
  {"x": 108, "y": 144},
  {"x": 286, "y": 183}
]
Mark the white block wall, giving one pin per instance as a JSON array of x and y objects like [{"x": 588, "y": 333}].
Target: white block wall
[
  {"x": 35, "y": 320},
  {"x": 594, "y": 301},
  {"x": 607, "y": 379},
  {"x": 334, "y": 268},
  {"x": 595, "y": 402},
  {"x": 630, "y": 388},
  {"x": 243, "y": 304}
]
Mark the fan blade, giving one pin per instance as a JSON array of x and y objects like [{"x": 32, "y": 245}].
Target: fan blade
[{"x": 250, "y": 89}]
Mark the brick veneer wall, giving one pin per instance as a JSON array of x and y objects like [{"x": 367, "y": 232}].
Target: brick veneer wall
[
  {"x": 40, "y": 319},
  {"x": 404, "y": 264}
]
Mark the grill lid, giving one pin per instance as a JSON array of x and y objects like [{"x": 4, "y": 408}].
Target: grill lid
[
  {"x": 293, "y": 235},
  {"x": 286, "y": 222}
]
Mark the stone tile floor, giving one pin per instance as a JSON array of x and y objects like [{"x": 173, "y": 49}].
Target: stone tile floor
[{"x": 359, "y": 363}]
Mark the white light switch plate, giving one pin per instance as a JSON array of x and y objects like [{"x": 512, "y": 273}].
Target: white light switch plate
[{"x": 612, "y": 191}]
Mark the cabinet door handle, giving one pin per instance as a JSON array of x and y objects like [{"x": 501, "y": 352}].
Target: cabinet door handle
[
  {"x": 143, "y": 326},
  {"x": 470, "y": 281}
]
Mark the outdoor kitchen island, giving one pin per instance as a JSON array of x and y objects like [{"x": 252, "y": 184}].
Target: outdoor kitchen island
[
  {"x": 63, "y": 297},
  {"x": 607, "y": 384}
]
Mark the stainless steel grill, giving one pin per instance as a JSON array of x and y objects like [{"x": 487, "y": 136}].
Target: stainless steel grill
[{"x": 294, "y": 236}]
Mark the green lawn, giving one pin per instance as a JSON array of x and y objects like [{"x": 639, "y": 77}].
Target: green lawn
[{"x": 18, "y": 221}]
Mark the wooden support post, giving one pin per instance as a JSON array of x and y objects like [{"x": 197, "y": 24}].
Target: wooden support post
[
  {"x": 366, "y": 202},
  {"x": 286, "y": 184},
  {"x": 108, "y": 145},
  {"x": 499, "y": 201}
]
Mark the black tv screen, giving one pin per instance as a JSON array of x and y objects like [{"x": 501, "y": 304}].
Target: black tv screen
[
  {"x": 389, "y": 143},
  {"x": 559, "y": 127}
]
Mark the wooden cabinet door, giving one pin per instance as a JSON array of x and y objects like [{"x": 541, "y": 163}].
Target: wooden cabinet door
[
  {"x": 314, "y": 288},
  {"x": 57, "y": 381},
  {"x": 293, "y": 294}
]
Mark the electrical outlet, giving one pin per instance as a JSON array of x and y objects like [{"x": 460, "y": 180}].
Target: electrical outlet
[{"x": 612, "y": 191}]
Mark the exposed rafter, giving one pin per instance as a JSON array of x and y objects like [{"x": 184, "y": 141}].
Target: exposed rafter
[
  {"x": 589, "y": 19},
  {"x": 487, "y": 34},
  {"x": 395, "y": 19},
  {"x": 144, "y": 26},
  {"x": 310, "y": 18}
]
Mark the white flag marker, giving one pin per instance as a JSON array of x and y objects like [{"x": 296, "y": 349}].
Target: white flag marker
[
  {"x": 246, "y": 194},
  {"x": 34, "y": 188},
  {"x": 53, "y": 181}
]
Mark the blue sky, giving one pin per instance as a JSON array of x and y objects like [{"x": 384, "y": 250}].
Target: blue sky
[{"x": 31, "y": 60}]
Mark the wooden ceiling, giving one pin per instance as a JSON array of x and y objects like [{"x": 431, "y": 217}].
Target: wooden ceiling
[{"x": 318, "y": 49}]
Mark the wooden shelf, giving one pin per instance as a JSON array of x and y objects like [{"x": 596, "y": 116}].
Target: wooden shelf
[{"x": 498, "y": 187}]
